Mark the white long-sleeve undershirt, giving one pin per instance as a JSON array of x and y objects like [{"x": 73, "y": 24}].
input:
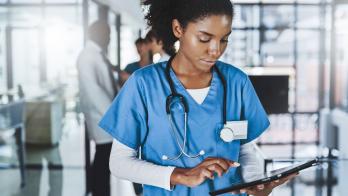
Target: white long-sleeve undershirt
[{"x": 125, "y": 164}]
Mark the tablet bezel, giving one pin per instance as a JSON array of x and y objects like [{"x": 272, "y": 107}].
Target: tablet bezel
[{"x": 267, "y": 179}]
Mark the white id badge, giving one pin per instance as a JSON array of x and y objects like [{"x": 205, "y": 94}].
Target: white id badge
[{"x": 234, "y": 130}]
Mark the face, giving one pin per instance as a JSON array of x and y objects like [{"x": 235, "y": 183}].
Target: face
[
  {"x": 203, "y": 42},
  {"x": 105, "y": 38},
  {"x": 142, "y": 49},
  {"x": 156, "y": 46}
]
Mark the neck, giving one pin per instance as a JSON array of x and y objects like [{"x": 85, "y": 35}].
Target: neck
[
  {"x": 189, "y": 75},
  {"x": 144, "y": 61},
  {"x": 162, "y": 52},
  {"x": 182, "y": 66}
]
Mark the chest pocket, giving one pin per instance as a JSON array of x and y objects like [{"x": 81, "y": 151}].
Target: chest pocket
[{"x": 227, "y": 150}]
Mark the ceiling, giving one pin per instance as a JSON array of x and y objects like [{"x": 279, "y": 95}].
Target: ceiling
[{"x": 131, "y": 11}]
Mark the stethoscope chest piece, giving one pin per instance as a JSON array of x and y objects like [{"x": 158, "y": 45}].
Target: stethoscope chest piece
[{"x": 226, "y": 134}]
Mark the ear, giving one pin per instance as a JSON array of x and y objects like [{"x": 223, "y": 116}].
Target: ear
[
  {"x": 160, "y": 42},
  {"x": 177, "y": 28}
]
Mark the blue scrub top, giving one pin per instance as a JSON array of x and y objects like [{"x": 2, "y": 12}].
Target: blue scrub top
[
  {"x": 137, "y": 118},
  {"x": 132, "y": 67}
]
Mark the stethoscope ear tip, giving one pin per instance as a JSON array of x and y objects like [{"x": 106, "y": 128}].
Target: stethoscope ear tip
[{"x": 201, "y": 152}]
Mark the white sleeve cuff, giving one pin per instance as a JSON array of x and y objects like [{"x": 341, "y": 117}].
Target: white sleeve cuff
[
  {"x": 167, "y": 172},
  {"x": 251, "y": 161}
]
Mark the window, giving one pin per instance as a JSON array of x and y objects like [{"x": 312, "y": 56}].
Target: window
[
  {"x": 26, "y": 57},
  {"x": 341, "y": 76},
  {"x": 3, "y": 70},
  {"x": 113, "y": 39},
  {"x": 278, "y": 47},
  {"x": 272, "y": 36},
  {"x": 26, "y": 1}
]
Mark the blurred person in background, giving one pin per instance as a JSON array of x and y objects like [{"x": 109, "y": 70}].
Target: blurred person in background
[
  {"x": 157, "y": 46},
  {"x": 144, "y": 52},
  {"x": 98, "y": 88}
]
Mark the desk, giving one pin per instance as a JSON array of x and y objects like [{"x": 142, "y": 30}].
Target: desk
[
  {"x": 12, "y": 117},
  {"x": 334, "y": 134},
  {"x": 43, "y": 121}
]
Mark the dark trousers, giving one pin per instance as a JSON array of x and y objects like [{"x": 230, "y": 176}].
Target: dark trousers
[
  {"x": 100, "y": 170},
  {"x": 138, "y": 188}
]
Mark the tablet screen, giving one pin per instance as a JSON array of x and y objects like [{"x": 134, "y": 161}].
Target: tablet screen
[
  {"x": 268, "y": 177},
  {"x": 275, "y": 172}
]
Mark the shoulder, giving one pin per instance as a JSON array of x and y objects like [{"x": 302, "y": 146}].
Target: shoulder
[
  {"x": 89, "y": 58},
  {"x": 131, "y": 67},
  {"x": 149, "y": 74},
  {"x": 231, "y": 72},
  {"x": 150, "y": 71},
  {"x": 143, "y": 81},
  {"x": 132, "y": 64}
]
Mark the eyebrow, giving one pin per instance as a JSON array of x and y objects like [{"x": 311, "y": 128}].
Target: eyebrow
[{"x": 213, "y": 35}]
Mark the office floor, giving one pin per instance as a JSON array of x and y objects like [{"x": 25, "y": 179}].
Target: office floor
[{"x": 59, "y": 170}]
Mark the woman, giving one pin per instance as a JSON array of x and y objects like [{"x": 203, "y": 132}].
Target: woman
[{"x": 180, "y": 112}]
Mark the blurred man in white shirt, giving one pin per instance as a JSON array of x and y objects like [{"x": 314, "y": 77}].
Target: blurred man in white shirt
[{"x": 97, "y": 90}]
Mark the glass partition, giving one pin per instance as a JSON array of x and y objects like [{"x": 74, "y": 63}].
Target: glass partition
[
  {"x": 341, "y": 52},
  {"x": 26, "y": 57}
]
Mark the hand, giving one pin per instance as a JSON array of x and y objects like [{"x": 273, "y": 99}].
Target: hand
[
  {"x": 206, "y": 169},
  {"x": 266, "y": 189}
]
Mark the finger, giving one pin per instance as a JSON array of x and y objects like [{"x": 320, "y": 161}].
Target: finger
[
  {"x": 205, "y": 173},
  {"x": 282, "y": 180},
  {"x": 254, "y": 189},
  {"x": 224, "y": 163},
  {"x": 260, "y": 187},
  {"x": 287, "y": 178},
  {"x": 239, "y": 191},
  {"x": 273, "y": 184},
  {"x": 217, "y": 169},
  {"x": 250, "y": 191},
  {"x": 235, "y": 192},
  {"x": 234, "y": 164}
]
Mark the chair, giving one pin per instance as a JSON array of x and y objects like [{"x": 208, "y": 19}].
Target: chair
[{"x": 12, "y": 117}]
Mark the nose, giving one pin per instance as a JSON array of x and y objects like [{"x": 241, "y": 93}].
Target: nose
[{"x": 215, "y": 49}]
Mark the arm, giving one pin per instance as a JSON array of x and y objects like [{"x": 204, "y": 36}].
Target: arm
[
  {"x": 252, "y": 166},
  {"x": 124, "y": 76},
  {"x": 252, "y": 161},
  {"x": 125, "y": 164}
]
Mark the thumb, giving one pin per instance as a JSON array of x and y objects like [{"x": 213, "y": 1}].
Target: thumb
[{"x": 234, "y": 164}]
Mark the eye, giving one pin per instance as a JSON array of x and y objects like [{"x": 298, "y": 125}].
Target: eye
[
  {"x": 225, "y": 40},
  {"x": 204, "y": 39}
]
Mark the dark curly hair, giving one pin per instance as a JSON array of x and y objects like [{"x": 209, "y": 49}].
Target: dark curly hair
[{"x": 161, "y": 13}]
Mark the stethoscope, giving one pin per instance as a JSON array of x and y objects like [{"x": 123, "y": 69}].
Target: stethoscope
[{"x": 175, "y": 95}]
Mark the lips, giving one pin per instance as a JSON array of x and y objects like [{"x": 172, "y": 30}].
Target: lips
[{"x": 209, "y": 62}]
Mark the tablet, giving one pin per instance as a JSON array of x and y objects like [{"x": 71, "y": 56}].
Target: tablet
[{"x": 268, "y": 177}]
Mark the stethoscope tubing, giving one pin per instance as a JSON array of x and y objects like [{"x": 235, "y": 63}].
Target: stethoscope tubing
[{"x": 184, "y": 104}]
